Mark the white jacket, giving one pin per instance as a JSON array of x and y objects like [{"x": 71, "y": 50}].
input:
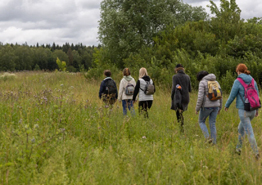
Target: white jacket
[
  {"x": 122, "y": 87},
  {"x": 142, "y": 95}
]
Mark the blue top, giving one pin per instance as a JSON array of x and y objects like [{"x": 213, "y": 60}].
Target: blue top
[{"x": 238, "y": 90}]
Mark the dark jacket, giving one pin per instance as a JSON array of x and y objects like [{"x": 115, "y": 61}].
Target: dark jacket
[
  {"x": 137, "y": 88},
  {"x": 184, "y": 81},
  {"x": 103, "y": 87}
]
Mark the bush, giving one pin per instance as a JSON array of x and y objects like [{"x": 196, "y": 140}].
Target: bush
[{"x": 8, "y": 76}]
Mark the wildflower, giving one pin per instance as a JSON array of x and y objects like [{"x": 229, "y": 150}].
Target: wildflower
[{"x": 144, "y": 137}]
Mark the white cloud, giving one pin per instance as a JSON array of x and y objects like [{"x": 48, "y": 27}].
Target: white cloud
[{"x": 73, "y": 21}]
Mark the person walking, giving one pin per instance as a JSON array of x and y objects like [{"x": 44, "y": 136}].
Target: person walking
[
  {"x": 126, "y": 91},
  {"x": 181, "y": 86},
  {"x": 145, "y": 87},
  {"x": 209, "y": 103},
  {"x": 108, "y": 89},
  {"x": 238, "y": 92}
]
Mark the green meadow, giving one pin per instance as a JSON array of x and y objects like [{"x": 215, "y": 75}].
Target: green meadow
[{"x": 55, "y": 130}]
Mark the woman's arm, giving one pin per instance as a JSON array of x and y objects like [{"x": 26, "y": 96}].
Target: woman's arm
[
  {"x": 201, "y": 94},
  {"x": 136, "y": 90},
  {"x": 121, "y": 88},
  {"x": 233, "y": 93}
]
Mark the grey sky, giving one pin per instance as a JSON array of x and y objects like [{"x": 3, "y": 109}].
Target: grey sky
[{"x": 73, "y": 21}]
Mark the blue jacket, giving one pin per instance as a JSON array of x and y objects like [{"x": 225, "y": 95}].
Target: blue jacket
[
  {"x": 238, "y": 90},
  {"x": 103, "y": 87}
]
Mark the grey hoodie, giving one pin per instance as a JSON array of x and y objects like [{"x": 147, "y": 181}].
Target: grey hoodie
[{"x": 203, "y": 100}]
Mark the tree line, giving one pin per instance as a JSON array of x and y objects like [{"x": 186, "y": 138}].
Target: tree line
[
  {"x": 138, "y": 35},
  {"x": 15, "y": 57}
]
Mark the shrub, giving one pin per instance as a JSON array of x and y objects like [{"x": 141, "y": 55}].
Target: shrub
[{"x": 8, "y": 76}]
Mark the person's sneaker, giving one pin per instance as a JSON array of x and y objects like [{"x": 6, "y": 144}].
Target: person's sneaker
[
  {"x": 209, "y": 141},
  {"x": 238, "y": 151},
  {"x": 257, "y": 156}
]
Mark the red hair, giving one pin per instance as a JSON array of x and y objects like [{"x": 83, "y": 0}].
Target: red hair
[{"x": 242, "y": 68}]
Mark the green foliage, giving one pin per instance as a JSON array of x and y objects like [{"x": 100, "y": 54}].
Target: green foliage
[
  {"x": 23, "y": 57},
  {"x": 216, "y": 45},
  {"x": 61, "y": 64},
  {"x": 227, "y": 81},
  {"x": 7, "y": 59},
  {"x": 55, "y": 130},
  {"x": 126, "y": 26},
  {"x": 37, "y": 68},
  {"x": 226, "y": 23}
]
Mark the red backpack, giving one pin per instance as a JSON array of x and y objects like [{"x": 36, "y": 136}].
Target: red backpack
[{"x": 252, "y": 101}]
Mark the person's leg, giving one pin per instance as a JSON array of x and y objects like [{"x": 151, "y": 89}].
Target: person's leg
[
  {"x": 131, "y": 107},
  {"x": 178, "y": 116},
  {"x": 249, "y": 130},
  {"x": 212, "y": 124},
  {"x": 204, "y": 113},
  {"x": 149, "y": 104},
  {"x": 124, "y": 105},
  {"x": 180, "y": 119},
  {"x": 143, "y": 107},
  {"x": 241, "y": 134},
  {"x": 140, "y": 107}
]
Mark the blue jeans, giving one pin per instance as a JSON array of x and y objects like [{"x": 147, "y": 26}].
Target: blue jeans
[
  {"x": 212, "y": 113},
  {"x": 245, "y": 127},
  {"x": 128, "y": 104}
]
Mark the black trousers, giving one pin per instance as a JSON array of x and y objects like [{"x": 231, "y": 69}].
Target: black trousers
[
  {"x": 180, "y": 119},
  {"x": 144, "y": 106}
]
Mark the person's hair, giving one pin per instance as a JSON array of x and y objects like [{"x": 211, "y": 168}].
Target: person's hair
[
  {"x": 242, "y": 68},
  {"x": 201, "y": 75},
  {"x": 126, "y": 72},
  {"x": 107, "y": 73},
  {"x": 179, "y": 67},
  {"x": 142, "y": 72}
]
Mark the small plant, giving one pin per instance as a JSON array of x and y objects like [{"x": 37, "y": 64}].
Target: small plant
[
  {"x": 61, "y": 64},
  {"x": 8, "y": 76}
]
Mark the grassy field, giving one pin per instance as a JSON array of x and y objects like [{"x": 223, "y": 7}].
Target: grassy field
[{"x": 55, "y": 130}]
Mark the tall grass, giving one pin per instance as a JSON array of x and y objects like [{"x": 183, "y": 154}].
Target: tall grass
[{"x": 55, "y": 130}]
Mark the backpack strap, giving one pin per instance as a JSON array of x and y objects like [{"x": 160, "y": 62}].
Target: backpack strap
[
  {"x": 242, "y": 82},
  {"x": 146, "y": 83}
]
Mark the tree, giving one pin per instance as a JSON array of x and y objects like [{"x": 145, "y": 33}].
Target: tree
[
  {"x": 61, "y": 64},
  {"x": 227, "y": 22},
  {"x": 61, "y": 55},
  {"x": 7, "y": 59},
  {"x": 126, "y": 26},
  {"x": 24, "y": 60}
]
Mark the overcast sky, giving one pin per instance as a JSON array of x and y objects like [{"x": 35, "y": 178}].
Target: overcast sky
[{"x": 73, "y": 21}]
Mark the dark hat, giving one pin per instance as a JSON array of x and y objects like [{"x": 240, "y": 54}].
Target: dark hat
[{"x": 179, "y": 65}]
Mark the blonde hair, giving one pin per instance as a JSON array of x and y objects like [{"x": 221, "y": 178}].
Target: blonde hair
[{"x": 142, "y": 72}]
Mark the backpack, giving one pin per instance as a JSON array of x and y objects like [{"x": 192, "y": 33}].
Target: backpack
[
  {"x": 110, "y": 88},
  {"x": 214, "y": 91},
  {"x": 129, "y": 90},
  {"x": 149, "y": 88},
  {"x": 252, "y": 101}
]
